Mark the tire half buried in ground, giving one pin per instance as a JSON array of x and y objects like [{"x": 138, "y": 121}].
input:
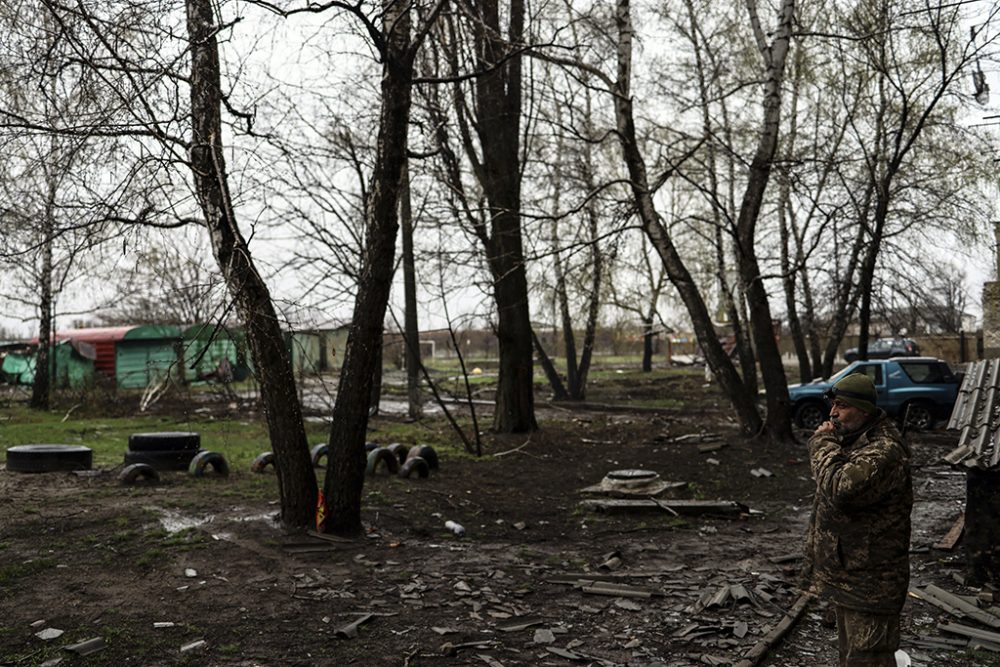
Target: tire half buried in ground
[
  {"x": 162, "y": 460},
  {"x": 205, "y": 460},
  {"x": 164, "y": 441},
  {"x": 49, "y": 458}
]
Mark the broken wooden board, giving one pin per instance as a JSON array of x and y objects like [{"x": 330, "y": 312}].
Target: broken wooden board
[
  {"x": 955, "y": 605},
  {"x": 653, "y": 490},
  {"x": 760, "y": 649},
  {"x": 726, "y": 508},
  {"x": 952, "y": 537},
  {"x": 970, "y": 632}
]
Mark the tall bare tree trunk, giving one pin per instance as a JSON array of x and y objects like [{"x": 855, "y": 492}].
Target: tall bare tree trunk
[
  {"x": 677, "y": 272},
  {"x": 346, "y": 471},
  {"x": 411, "y": 328},
  {"x": 498, "y": 112},
  {"x": 296, "y": 478},
  {"x": 772, "y": 371},
  {"x": 41, "y": 387}
]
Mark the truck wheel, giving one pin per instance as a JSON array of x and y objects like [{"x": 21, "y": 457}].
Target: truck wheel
[
  {"x": 918, "y": 415},
  {"x": 164, "y": 441},
  {"x": 810, "y": 414},
  {"x": 48, "y": 458},
  {"x": 204, "y": 460}
]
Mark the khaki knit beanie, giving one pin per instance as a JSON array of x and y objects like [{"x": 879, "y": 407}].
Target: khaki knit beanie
[{"x": 856, "y": 390}]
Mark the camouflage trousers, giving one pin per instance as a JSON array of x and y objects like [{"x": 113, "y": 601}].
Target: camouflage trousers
[{"x": 867, "y": 640}]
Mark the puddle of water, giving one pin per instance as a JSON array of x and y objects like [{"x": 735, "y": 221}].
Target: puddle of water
[{"x": 175, "y": 522}]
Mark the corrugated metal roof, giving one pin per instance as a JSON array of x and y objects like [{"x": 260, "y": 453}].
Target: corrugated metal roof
[{"x": 975, "y": 416}]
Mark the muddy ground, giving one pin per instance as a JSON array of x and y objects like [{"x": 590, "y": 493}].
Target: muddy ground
[{"x": 95, "y": 559}]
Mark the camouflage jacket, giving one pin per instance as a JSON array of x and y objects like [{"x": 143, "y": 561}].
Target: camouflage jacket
[{"x": 859, "y": 537}]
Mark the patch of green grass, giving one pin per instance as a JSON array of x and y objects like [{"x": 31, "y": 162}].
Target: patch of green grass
[
  {"x": 10, "y": 574},
  {"x": 229, "y": 649},
  {"x": 151, "y": 558},
  {"x": 189, "y": 537},
  {"x": 238, "y": 440},
  {"x": 376, "y": 498}
]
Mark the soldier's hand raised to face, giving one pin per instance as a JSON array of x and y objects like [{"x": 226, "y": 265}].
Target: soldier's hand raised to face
[{"x": 825, "y": 427}]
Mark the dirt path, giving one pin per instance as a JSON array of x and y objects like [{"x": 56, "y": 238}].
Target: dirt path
[{"x": 95, "y": 559}]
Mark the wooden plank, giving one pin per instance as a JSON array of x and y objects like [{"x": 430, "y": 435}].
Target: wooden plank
[
  {"x": 727, "y": 508},
  {"x": 952, "y": 537},
  {"x": 972, "y": 633},
  {"x": 966, "y": 608},
  {"x": 760, "y": 649}
]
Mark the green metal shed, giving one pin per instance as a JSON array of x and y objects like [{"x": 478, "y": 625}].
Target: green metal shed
[
  {"x": 306, "y": 351},
  {"x": 147, "y": 354},
  {"x": 205, "y": 348},
  {"x": 73, "y": 368}
]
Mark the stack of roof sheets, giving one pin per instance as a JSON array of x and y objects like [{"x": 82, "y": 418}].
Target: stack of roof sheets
[{"x": 975, "y": 416}]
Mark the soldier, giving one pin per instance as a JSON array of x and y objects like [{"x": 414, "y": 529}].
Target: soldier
[{"x": 857, "y": 550}]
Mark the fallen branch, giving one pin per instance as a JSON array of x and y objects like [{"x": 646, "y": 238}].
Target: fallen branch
[
  {"x": 760, "y": 649},
  {"x": 516, "y": 449},
  {"x": 69, "y": 412}
]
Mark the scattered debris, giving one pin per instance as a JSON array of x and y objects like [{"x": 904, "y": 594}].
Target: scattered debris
[
  {"x": 713, "y": 447},
  {"x": 952, "y": 537},
  {"x": 955, "y": 605},
  {"x": 88, "y": 646},
  {"x": 544, "y": 636},
  {"x": 612, "y": 561},
  {"x": 632, "y": 483},
  {"x": 190, "y": 573},
  {"x": 444, "y": 631},
  {"x": 761, "y": 472},
  {"x": 456, "y": 528},
  {"x": 697, "y": 437},
  {"x": 194, "y": 646},
  {"x": 760, "y": 649},
  {"x": 350, "y": 631},
  {"x": 164, "y": 624},
  {"x": 727, "y": 508},
  {"x": 520, "y": 625},
  {"x": 49, "y": 634}
]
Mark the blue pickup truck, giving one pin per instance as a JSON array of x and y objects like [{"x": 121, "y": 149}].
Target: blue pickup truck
[{"x": 924, "y": 385}]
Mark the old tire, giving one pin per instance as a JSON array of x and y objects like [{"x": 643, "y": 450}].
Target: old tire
[
  {"x": 138, "y": 471},
  {"x": 371, "y": 446},
  {"x": 162, "y": 460},
  {"x": 381, "y": 455},
  {"x": 427, "y": 453},
  {"x": 810, "y": 414},
  {"x": 919, "y": 416},
  {"x": 400, "y": 451},
  {"x": 318, "y": 453},
  {"x": 261, "y": 462},
  {"x": 48, "y": 458},
  {"x": 213, "y": 460},
  {"x": 417, "y": 464},
  {"x": 164, "y": 441}
]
